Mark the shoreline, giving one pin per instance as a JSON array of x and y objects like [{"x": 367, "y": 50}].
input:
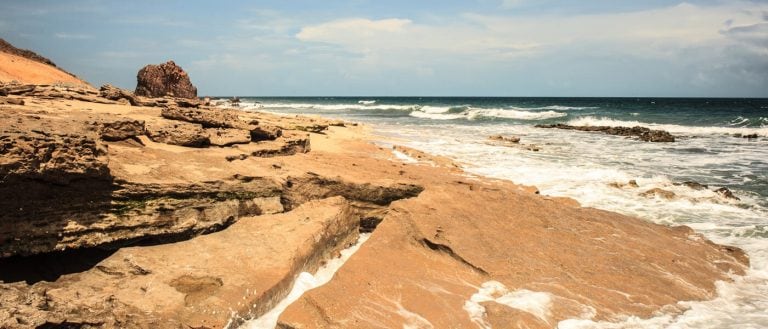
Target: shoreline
[{"x": 436, "y": 233}]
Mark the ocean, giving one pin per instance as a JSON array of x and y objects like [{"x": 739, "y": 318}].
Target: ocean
[{"x": 596, "y": 168}]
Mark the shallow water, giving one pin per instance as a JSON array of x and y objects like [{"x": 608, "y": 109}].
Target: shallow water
[{"x": 584, "y": 165}]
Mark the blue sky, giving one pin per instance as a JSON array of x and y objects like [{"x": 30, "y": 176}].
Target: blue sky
[{"x": 417, "y": 47}]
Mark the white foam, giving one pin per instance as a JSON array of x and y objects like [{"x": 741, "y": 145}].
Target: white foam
[
  {"x": 441, "y": 113},
  {"x": 563, "y": 108},
  {"x": 404, "y": 157},
  {"x": 674, "y": 129},
  {"x": 366, "y": 102},
  {"x": 533, "y": 302},
  {"x": 513, "y": 114},
  {"x": 339, "y": 107},
  {"x": 304, "y": 282}
]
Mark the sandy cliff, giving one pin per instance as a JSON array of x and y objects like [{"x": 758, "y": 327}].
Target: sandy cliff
[{"x": 25, "y": 66}]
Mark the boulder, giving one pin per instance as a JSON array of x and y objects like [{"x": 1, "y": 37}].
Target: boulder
[
  {"x": 179, "y": 133},
  {"x": 228, "y": 136},
  {"x": 121, "y": 129},
  {"x": 264, "y": 132},
  {"x": 167, "y": 79}
]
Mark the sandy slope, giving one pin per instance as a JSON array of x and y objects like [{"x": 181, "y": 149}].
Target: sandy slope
[{"x": 23, "y": 70}]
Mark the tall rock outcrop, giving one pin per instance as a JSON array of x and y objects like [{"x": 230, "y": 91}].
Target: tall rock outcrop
[{"x": 167, "y": 79}]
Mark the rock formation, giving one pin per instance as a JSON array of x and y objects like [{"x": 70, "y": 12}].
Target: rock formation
[
  {"x": 643, "y": 133},
  {"x": 167, "y": 79}
]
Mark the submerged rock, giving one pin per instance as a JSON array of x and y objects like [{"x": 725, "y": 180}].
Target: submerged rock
[
  {"x": 726, "y": 193},
  {"x": 657, "y": 192},
  {"x": 167, "y": 79}
]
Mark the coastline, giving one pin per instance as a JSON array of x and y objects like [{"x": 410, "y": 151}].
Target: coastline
[{"x": 292, "y": 201}]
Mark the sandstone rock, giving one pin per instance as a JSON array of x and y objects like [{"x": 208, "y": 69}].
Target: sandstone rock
[
  {"x": 11, "y": 101},
  {"x": 179, "y": 133},
  {"x": 433, "y": 248},
  {"x": 121, "y": 129},
  {"x": 167, "y": 79},
  {"x": 190, "y": 284},
  {"x": 265, "y": 132},
  {"x": 16, "y": 89},
  {"x": 657, "y": 192},
  {"x": 208, "y": 118},
  {"x": 113, "y": 93},
  {"x": 228, "y": 136},
  {"x": 56, "y": 156},
  {"x": 643, "y": 133}
]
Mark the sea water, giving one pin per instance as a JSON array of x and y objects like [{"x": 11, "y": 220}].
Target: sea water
[{"x": 710, "y": 148}]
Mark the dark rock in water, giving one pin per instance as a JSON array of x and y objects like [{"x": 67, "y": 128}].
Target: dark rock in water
[
  {"x": 643, "y": 133},
  {"x": 631, "y": 184},
  {"x": 693, "y": 185},
  {"x": 726, "y": 193},
  {"x": 122, "y": 129},
  {"x": 750, "y": 136},
  {"x": 167, "y": 79},
  {"x": 500, "y": 138},
  {"x": 657, "y": 192}
]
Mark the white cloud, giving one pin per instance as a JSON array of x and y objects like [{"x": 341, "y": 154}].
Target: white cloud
[{"x": 651, "y": 33}]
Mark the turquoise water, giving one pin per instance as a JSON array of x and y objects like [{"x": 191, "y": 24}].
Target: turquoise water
[{"x": 585, "y": 165}]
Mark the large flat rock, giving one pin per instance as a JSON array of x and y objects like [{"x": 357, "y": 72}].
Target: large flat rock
[{"x": 549, "y": 259}]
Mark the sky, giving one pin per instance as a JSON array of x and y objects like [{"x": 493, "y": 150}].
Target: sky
[{"x": 599, "y": 48}]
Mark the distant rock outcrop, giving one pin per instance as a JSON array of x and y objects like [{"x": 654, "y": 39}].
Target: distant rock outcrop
[{"x": 167, "y": 79}]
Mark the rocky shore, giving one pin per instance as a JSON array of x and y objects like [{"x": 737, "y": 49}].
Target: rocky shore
[
  {"x": 125, "y": 211},
  {"x": 643, "y": 133}
]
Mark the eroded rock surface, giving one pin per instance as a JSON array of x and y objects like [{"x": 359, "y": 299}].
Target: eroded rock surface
[{"x": 437, "y": 252}]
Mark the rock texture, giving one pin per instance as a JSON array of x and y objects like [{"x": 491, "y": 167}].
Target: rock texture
[
  {"x": 643, "y": 133},
  {"x": 167, "y": 79},
  {"x": 437, "y": 252}
]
